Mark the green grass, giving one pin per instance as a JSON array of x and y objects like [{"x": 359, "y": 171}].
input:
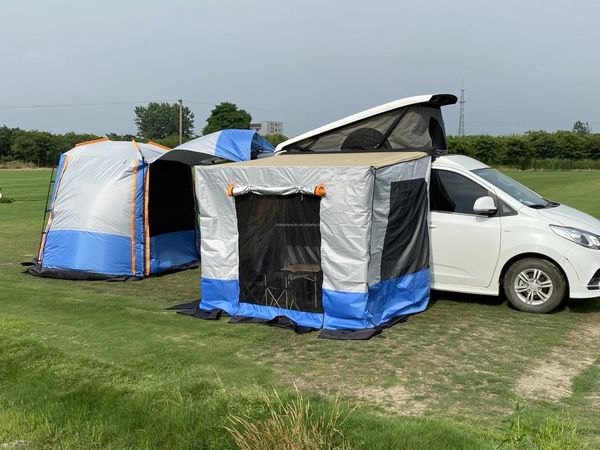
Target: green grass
[
  {"x": 103, "y": 365},
  {"x": 557, "y": 164}
]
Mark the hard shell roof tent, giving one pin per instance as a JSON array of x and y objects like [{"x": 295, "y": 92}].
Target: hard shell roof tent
[
  {"x": 409, "y": 123},
  {"x": 335, "y": 241},
  {"x": 123, "y": 210}
]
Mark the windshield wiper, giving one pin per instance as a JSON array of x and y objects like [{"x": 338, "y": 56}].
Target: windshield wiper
[{"x": 549, "y": 204}]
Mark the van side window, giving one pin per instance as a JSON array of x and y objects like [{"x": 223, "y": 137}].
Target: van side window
[{"x": 451, "y": 192}]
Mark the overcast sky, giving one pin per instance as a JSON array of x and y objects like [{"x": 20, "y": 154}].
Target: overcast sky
[{"x": 530, "y": 64}]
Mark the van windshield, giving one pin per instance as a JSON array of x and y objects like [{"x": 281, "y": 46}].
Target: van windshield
[{"x": 515, "y": 189}]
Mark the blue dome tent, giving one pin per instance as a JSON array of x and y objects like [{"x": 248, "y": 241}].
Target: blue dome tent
[{"x": 123, "y": 210}]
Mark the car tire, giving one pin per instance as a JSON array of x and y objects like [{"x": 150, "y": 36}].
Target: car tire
[{"x": 534, "y": 285}]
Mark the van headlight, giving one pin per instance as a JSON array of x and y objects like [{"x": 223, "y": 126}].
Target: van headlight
[{"x": 581, "y": 237}]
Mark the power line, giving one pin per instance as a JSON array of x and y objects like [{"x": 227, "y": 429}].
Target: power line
[
  {"x": 139, "y": 102},
  {"x": 69, "y": 105}
]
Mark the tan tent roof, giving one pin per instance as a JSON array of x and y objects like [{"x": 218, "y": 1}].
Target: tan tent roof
[{"x": 338, "y": 159}]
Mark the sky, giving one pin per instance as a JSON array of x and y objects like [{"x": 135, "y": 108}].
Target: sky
[{"x": 524, "y": 64}]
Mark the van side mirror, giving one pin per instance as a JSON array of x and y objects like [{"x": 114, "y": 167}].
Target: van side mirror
[{"x": 485, "y": 206}]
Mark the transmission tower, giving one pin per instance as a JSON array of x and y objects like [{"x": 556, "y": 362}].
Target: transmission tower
[{"x": 461, "y": 120}]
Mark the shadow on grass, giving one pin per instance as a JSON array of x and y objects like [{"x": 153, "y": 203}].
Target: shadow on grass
[
  {"x": 580, "y": 306},
  {"x": 585, "y": 306},
  {"x": 486, "y": 300}
]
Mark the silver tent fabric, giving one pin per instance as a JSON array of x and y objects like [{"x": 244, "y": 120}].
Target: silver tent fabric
[{"x": 351, "y": 237}]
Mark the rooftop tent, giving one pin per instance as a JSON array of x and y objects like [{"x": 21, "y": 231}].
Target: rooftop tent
[
  {"x": 221, "y": 146},
  {"x": 410, "y": 123},
  {"x": 118, "y": 211},
  {"x": 335, "y": 241}
]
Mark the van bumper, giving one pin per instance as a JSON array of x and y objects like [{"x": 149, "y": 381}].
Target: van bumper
[{"x": 584, "y": 273}]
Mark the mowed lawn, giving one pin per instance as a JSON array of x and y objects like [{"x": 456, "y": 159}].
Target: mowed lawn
[{"x": 104, "y": 365}]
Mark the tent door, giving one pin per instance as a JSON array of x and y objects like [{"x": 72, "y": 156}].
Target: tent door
[
  {"x": 171, "y": 217},
  {"x": 280, "y": 251}
]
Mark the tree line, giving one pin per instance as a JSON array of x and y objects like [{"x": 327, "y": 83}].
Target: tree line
[
  {"x": 159, "y": 122},
  {"x": 521, "y": 150}
]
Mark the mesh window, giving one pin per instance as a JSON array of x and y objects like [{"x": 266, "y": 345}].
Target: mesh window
[
  {"x": 406, "y": 244},
  {"x": 171, "y": 204},
  {"x": 280, "y": 251},
  {"x": 436, "y": 132}
]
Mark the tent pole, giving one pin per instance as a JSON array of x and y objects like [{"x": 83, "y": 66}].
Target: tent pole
[{"x": 46, "y": 210}]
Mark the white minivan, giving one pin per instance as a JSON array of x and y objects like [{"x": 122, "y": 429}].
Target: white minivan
[{"x": 488, "y": 232}]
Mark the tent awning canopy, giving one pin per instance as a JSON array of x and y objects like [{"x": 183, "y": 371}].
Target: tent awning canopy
[{"x": 221, "y": 146}]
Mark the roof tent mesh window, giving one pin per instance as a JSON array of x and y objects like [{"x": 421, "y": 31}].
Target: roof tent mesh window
[
  {"x": 171, "y": 204},
  {"x": 403, "y": 128},
  {"x": 406, "y": 243},
  {"x": 280, "y": 251}
]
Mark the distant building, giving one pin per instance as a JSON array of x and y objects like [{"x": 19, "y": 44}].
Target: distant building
[{"x": 267, "y": 127}]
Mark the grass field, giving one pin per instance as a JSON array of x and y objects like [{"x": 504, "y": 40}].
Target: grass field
[{"x": 103, "y": 365}]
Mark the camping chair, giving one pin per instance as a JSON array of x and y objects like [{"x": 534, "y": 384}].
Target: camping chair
[
  {"x": 272, "y": 298},
  {"x": 309, "y": 272}
]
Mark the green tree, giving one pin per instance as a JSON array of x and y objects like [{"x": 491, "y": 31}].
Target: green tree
[
  {"x": 580, "y": 127},
  {"x": 515, "y": 150},
  {"x": 461, "y": 145},
  {"x": 5, "y": 141},
  {"x": 486, "y": 148},
  {"x": 120, "y": 137},
  {"x": 227, "y": 115},
  {"x": 33, "y": 146},
  {"x": 275, "y": 139},
  {"x": 159, "y": 120}
]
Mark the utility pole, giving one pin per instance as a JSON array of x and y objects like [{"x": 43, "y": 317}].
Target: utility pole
[
  {"x": 180, "y": 121},
  {"x": 461, "y": 120}
]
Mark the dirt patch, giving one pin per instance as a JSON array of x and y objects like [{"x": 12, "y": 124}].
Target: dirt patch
[
  {"x": 551, "y": 378},
  {"x": 14, "y": 444},
  {"x": 394, "y": 399}
]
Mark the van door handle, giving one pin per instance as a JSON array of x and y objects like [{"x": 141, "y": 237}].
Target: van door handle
[{"x": 432, "y": 226}]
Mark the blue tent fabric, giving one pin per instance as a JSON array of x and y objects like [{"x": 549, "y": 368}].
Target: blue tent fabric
[
  {"x": 231, "y": 145},
  {"x": 238, "y": 145}
]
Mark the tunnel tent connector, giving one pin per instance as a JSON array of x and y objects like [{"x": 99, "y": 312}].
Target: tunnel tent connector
[{"x": 222, "y": 146}]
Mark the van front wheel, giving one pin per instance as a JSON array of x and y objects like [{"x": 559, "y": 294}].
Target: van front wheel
[{"x": 534, "y": 285}]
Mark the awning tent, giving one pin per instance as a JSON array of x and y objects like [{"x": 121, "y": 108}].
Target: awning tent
[
  {"x": 327, "y": 241},
  {"x": 127, "y": 209}
]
